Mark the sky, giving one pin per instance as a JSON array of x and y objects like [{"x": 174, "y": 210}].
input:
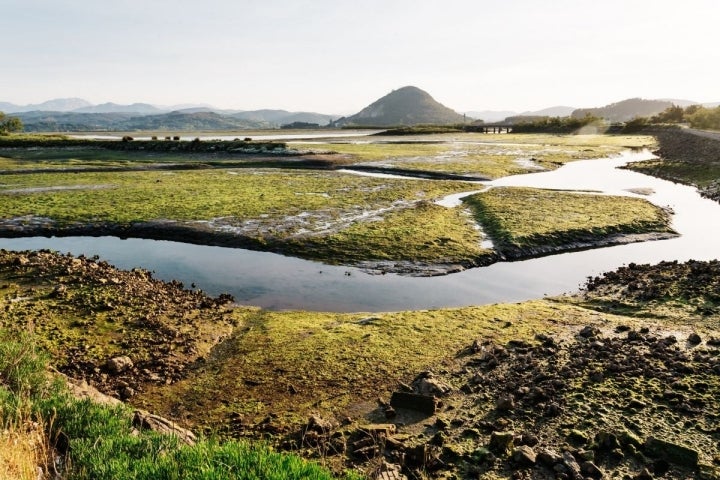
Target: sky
[{"x": 337, "y": 56}]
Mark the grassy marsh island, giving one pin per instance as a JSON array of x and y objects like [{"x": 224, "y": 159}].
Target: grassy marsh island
[{"x": 527, "y": 221}]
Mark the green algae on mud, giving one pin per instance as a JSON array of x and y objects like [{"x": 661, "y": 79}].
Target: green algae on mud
[
  {"x": 529, "y": 221},
  {"x": 235, "y": 196},
  {"x": 422, "y": 233}
]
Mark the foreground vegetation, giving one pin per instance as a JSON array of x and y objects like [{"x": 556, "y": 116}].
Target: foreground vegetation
[
  {"x": 46, "y": 428},
  {"x": 243, "y": 372}
]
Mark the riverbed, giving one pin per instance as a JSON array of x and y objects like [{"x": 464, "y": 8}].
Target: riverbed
[{"x": 278, "y": 282}]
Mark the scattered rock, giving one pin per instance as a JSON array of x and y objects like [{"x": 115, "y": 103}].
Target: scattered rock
[
  {"x": 589, "y": 468},
  {"x": 389, "y": 471},
  {"x": 524, "y": 456},
  {"x": 81, "y": 390},
  {"x": 672, "y": 452},
  {"x": 318, "y": 424},
  {"x": 505, "y": 403},
  {"x": 118, "y": 365},
  {"x": 628, "y": 438},
  {"x": 127, "y": 392},
  {"x": 577, "y": 437},
  {"x": 589, "y": 332},
  {"x": 156, "y": 423},
  {"x": 694, "y": 339},
  {"x": 427, "y": 404},
  {"x": 21, "y": 260},
  {"x": 549, "y": 457},
  {"x": 380, "y": 429},
  {"x": 572, "y": 465},
  {"x": 431, "y": 386},
  {"x": 607, "y": 440},
  {"x": 644, "y": 475},
  {"x": 501, "y": 443}
]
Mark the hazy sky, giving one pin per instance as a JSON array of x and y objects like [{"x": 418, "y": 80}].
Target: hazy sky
[{"x": 336, "y": 56}]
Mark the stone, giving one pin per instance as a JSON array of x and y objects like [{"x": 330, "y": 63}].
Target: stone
[
  {"x": 380, "y": 429},
  {"x": 708, "y": 472},
  {"x": 156, "y": 423},
  {"x": 501, "y": 443},
  {"x": 589, "y": 468},
  {"x": 529, "y": 439},
  {"x": 672, "y": 452},
  {"x": 505, "y": 403},
  {"x": 432, "y": 386},
  {"x": 589, "y": 332},
  {"x": 633, "y": 335},
  {"x": 82, "y": 391},
  {"x": 572, "y": 465},
  {"x": 643, "y": 475},
  {"x": 21, "y": 260},
  {"x": 118, "y": 365},
  {"x": 553, "y": 410},
  {"x": 577, "y": 437},
  {"x": 585, "y": 455},
  {"x": 524, "y": 456},
  {"x": 127, "y": 392},
  {"x": 427, "y": 404},
  {"x": 549, "y": 457},
  {"x": 366, "y": 453},
  {"x": 318, "y": 424},
  {"x": 636, "y": 404},
  {"x": 628, "y": 438},
  {"x": 390, "y": 471},
  {"x": 607, "y": 440},
  {"x": 694, "y": 339}
]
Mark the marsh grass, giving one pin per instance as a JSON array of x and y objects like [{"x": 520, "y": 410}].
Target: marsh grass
[
  {"x": 203, "y": 195},
  {"x": 424, "y": 232},
  {"x": 522, "y": 219},
  {"x": 24, "y": 446}
]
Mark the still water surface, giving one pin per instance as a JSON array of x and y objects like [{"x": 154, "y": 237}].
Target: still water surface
[{"x": 277, "y": 282}]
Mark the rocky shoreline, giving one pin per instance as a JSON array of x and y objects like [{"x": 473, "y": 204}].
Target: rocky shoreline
[{"x": 693, "y": 152}]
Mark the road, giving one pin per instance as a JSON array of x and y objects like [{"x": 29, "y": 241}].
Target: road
[{"x": 704, "y": 133}]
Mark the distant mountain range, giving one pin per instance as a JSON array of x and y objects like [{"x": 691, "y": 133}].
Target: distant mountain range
[
  {"x": 404, "y": 106},
  {"x": 76, "y": 114}
]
